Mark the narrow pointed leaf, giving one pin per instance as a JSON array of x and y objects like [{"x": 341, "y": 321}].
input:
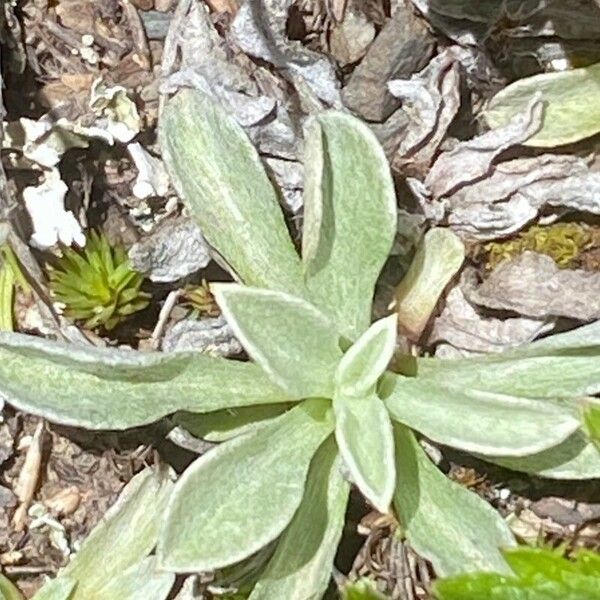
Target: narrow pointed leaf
[
  {"x": 241, "y": 495},
  {"x": 481, "y": 422},
  {"x": 591, "y": 418},
  {"x": 365, "y": 361},
  {"x": 117, "y": 389},
  {"x": 8, "y": 591},
  {"x": 349, "y": 216},
  {"x": 218, "y": 172},
  {"x": 564, "y": 365},
  {"x": 575, "y": 458},
  {"x": 302, "y": 563},
  {"x": 447, "y": 524},
  {"x": 363, "y": 431},
  {"x": 438, "y": 258},
  {"x": 295, "y": 344},
  {"x": 124, "y": 537},
  {"x": 571, "y": 113}
]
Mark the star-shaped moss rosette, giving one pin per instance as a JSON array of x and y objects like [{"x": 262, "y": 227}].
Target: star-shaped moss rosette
[
  {"x": 97, "y": 285},
  {"x": 269, "y": 500}
]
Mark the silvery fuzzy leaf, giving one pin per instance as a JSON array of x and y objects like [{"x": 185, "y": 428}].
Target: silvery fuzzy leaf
[
  {"x": 259, "y": 29},
  {"x": 219, "y": 174},
  {"x": 467, "y": 330},
  {"x": 438, "y": 258},
  {"x": 576, "y": 458},
  {"x": 173, "y": 250},
  {"x": 241, "y": 495},
  {"x": 431, "y": 100},
  {"x": 60, "y": 588},
  {"x": 402, "y": 48},
  {"x": 446, "y": 523},
  {"x": 301, "y": 565},
  {"x": 533, "y": 285},
  {"x": 117, "y": 389},
  {"x": 349, "y": 217},
  {"x": 471, "y": 160},
  {"x": 570, "y": 114},
  {"x": 211, "y": 336}
]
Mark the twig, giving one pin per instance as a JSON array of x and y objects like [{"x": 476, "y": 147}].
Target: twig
[{"x": 163, "y": 317}]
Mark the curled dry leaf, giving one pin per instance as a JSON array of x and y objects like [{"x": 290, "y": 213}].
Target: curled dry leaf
[
  {"x": 402, "y": 48},
  {"x": 533, "y": 285}
]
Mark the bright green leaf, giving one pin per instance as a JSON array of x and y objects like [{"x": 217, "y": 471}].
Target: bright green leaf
[
  {"x": 365, "y": 361},
  {"x": 363, "y": 589},
  {"x": 349, "y": 217},
  {"x": 438, "y": 258},
  {"x": 124, "y": 537},
  {"x": 241, "y": 495},
  {"x": 476, "y": 421},
  {"x": 591, "y": 417},
  {"x": 363, "y": 431},
  {"x": 575, "y": 458},
  {"x": 117, "y": 389},
  {"x": 302, "y": 563},
  {"x": 539, "y": 574},
  {"x": 218, "y": 172},
  {"x": 289, "y": 338},
  {"x": 8, "y": 591},
  {"x": 444, "y": 522},
  {"x": 572, "y": 109}
]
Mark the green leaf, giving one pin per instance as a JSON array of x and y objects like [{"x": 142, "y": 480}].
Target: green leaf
[
  {"x": 124, "y": 537},
  {"x": 8, "y": 591},
  {"x": 575, "y": 458},
  {"x": 563, "y": 365},
  {"x": 366, "y": 360},
  {"x": 61, "y": 588},
  {"x": 539, "y": 574},
  {"x": 116, "y": 389},
  {"x": 572, "y": 112},
  {"x": 222, "y": 425},
  {"x": 438, "y": 258},
  {"x": 476, "y": 421},
  {"x": 241, "y": 495},
  {"x": 363, "y": 431},
  {"x": 444, "y": 522},
  {"x": 294, "y": 343},
  {"x": 302, "y": 563},
  {"x": 218, "y": 172},
  {"x": 349, "y": 217},
  {"x": 591, "y": 417},
  {"x": 363, "y": 589},
  {"x": 141, "y": 581}
]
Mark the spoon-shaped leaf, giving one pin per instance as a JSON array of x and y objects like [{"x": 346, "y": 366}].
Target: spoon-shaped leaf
[
  {"x": 117, "y": 389},
  {"x": 452, "y": 527},
  {"x": 289, "y": 338},
  {"x": 363, "y": 431},
  {"x": 219, "y": 174},
  {"x": 349, "y": 217},
  {"x": 481, "y": 422},
  {"x": 241, "y": 495},
  {"x": 301, "y": 565}
]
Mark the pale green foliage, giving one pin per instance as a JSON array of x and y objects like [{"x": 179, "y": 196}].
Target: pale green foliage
[
  {"x": 270, "y": 499},
  {"x": 363, "y": 589},
  {"x": 572, "y": 110},
  {"x": 438, "y": 258}
]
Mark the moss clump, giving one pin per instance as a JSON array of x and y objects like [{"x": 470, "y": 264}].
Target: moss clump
[
  {"x": 96, "y": 284},
  {"x": 563, "y": 242}
]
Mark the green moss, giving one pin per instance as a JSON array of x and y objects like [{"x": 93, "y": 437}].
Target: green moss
[
  {"x": 96, "y": 284},
  {"x": 563, "y": 242}
]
